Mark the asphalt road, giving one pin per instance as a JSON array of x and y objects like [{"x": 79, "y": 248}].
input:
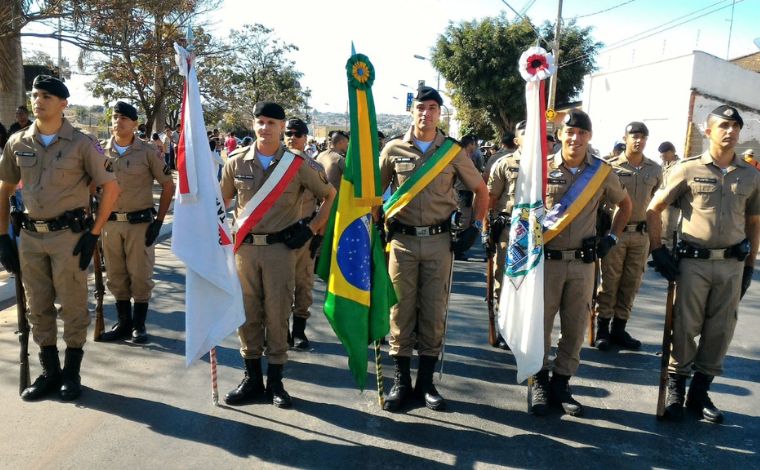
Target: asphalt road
[{"x": 142, "y": 408}]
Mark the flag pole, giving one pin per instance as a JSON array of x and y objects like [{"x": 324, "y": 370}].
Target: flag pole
[
  {"x": 379, "y": 373},
  {"x": 214, "y": 386}
]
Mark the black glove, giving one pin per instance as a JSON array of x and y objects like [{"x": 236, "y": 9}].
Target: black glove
[
  {"x": 85, "y": 247},
  {"x": 300, "y": 233},
  {"x": 8, "y": 254},
  {"x": 604, "y": 246},
  {"x": 746, "y": 279},
  {"x": 315, "y": 245},
  {"x": 665, "y": 264},
  {"x": 154, "y": 228}
]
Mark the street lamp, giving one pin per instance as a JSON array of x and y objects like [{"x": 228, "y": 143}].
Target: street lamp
[{"x": 438, "y": 81}]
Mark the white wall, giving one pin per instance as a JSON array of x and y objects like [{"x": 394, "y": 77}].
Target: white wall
[{"x": 749, "y": 137}]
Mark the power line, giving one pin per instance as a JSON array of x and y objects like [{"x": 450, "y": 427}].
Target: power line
[
  {"x": 605, "y": 10},
  {"x": 655, "y": 31},
  {"x": 526, "y": 20}
]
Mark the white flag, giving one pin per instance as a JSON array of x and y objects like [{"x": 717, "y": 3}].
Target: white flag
[
  {"x": 521, "y": 307},
  {"x": 201, "y": 235}
]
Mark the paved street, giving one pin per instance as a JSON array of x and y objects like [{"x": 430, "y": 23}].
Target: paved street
[{"x": 142, "y": 408}]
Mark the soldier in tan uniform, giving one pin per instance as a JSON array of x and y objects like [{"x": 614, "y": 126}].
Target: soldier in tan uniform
[
  {"x": 508, "y": 146},
  {"x": 131, "y": 230},
  {"x": 56, "y": 163},
  {"x": 502, "y": 183},
  {"x": 296, "y": 133},
  {"x": 719, "y": 196},
  {"x": 671, "y": 215},
  {"x": 420, "y": 248},
  {"x": 623, "y": 268},
  {"x": 333, "y": 160},
  {"x": 266, "y": 259},
  {"x": 570, "y": 256}
]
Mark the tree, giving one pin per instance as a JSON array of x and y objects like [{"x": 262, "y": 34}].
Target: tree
[
  {"x": 43, "y": 58},
  {"x": 479, "y": 59}
]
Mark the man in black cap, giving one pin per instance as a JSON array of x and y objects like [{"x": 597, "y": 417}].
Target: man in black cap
[
  {"x": 623, "y": 268},
  {"x": 570, "y": 249},
  {"x": 333, "y": 160},
  {"x": 671, "y": 215},
  {"x": 56, "y": 163},
  {"x": 271, "y": 235},
  {"x": 719, "y": 196},
  {"x": 131, "y": 231},
  {"x": 420, "y": 244}
]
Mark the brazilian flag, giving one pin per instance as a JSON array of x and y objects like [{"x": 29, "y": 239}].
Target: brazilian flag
[{"x": 352, "y": 262}]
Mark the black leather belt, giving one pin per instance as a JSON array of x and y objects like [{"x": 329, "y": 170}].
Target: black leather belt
[
  {"x": 62, "y": 222},
  {"x": 424, "y": 231},
  {"x": 636, "y": 227},
  {"x": 135, "y": 217},
  {"x": 738, "y": 251},
  {"x": 264, "y": 239}
]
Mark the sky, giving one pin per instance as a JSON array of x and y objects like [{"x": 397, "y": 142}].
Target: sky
[{"x": 392, "y": 32}]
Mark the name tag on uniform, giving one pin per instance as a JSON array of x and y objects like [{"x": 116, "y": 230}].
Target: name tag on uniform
[
  {"x": 513, "y": 170},
  {"x": 243, "y": 177},
  {"x": 24, "y": 154},
  {"x": 403, "y": 159},
  {"x": 705, "y": 180},
  {"x": 556, "y": 181},
  {"x": 623, "y": 173}
]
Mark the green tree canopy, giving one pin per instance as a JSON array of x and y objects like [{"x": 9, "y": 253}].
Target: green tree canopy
[{"x": 479, "y": 60}]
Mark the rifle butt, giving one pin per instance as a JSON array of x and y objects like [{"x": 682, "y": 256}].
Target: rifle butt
[
  {"x": 667, "y": 339},
  {"x": 23, "y": 335},
  {"x": 100, "y": 325},
  {"x": 492, "y": 340}
]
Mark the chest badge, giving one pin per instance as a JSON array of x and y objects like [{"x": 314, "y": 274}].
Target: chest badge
[{"x": 556, "y": 174}]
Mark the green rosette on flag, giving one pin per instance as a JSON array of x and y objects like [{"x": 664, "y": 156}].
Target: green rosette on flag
[{"x": 352, "y": 263}]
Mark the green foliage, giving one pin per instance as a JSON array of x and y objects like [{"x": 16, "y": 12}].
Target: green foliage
[{"x": 479, "y": 60}]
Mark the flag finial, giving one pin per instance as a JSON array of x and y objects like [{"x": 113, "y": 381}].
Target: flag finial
[
  {"x": 190, "y": 37},
  {"x": 353, "y": 50}
]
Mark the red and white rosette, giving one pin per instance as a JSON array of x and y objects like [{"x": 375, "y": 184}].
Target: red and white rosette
[{"x": 536, "y": 64}]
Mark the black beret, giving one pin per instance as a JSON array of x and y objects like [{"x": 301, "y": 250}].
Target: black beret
[
  {"x": 125, "y": 109},
  {"x": 637, "y": 127},
  {"x": 380, "y": 135},
  {"x": 577, "y": 118},
  {"x": 666, "y": 147},
  {"x": 729, "y": 113},
  {"x": 428, "y": 93},
  {"x": 52, "y": 85},
  {"x": 268, "y": 109},
  {"x": 297, "y": 125},
  {"x": 619, "y": 146},
  {"x": 521, "y": 126}
]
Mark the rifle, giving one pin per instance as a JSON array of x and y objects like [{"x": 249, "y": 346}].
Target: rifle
[
  {"x": 594, "y": 299},
  {"x": 100, "y": 289},
  {"x": 492, "y": 340},
  {"x": 667, "y": 339},
  {"x": 23, "y": 322}
]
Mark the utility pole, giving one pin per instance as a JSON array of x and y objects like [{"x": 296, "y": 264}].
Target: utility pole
[
  {"x": 60, "y": 51},
  {"x": 555, "y": 52},
  {"x": 730, "y": 30}
]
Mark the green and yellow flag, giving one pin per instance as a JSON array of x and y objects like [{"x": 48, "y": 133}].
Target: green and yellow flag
[{"x": 352, "y": 263}]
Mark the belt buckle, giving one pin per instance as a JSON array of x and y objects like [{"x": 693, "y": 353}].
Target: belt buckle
[
  {"x": 41, "y": 227},
  {"x": 122, "y": 217},
  {"x": 259, "y": 239},
  {"x": 422, "y": 231}
]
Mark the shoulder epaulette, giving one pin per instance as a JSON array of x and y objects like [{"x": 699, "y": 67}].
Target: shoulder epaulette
[
  {"x": 238, "y": 151},
  {"x": 394, "y": 137}
]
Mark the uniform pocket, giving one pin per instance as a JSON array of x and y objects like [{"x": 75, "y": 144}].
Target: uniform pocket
[
  {"x": 66, "y": 172},
  {"x": 706, "y": 196}
]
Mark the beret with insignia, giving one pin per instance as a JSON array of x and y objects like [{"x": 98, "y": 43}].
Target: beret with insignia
[
  {"x": 268, "y": 109},
  {"x": 637, "y": 127},
  {"x": 666, "y": 147},
  {"x": 426, "y": 93},
  {"x": 729, "y": 113},
  {"x": 126, "y": 109},
  {"x": 521, "y": 126},
  {"x": 52, "y": 85},
  {"x": 577, "y": 118},
  {"x": 297, "y": 125}
]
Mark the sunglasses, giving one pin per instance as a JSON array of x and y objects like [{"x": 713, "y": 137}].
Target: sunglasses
[{"x": 294, "y": 133}]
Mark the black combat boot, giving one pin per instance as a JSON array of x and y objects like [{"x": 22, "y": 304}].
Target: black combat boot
[
  {"x": 402, "y": 385},
  {"x": 50, "y": 380},
  {"x": 619, "y": 336},
  {"x": 275, "y": 390},
  {"x": 139, "y": 335},
  {"x": 674, "y": 401},
  {"x": 424, "y": 389},
  {"x": 501, "y": 343},
  {"x": 699, "y": 401},
  {"x": 251, "y": 389},
  {"x": 602, "y": 340},
  {"x": 71, "y": 386},
  {"x": 538, "y": 394},
  {"x": 299, "y": 336},
  {"x": 561, "y": 396},
  {"x": 123, "y": 328}
]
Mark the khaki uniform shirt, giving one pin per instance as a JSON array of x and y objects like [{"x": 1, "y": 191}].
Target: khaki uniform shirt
[
  {"x": 492, "y": 161},
  {"x": 243, "y": 175},
  {"x": 583, "y": 226},
  {"x": 713, "y": 205},
  {"x": 436, "y": 201},
  {"x": 641, "y": 183},
  {"x": 135, "y": 171},
  {"x": 55, "y": 178},
  {"x": 334, "y": 164},
  {"x": 309, "y": 203},
  {"x": 503, "y": 182}
]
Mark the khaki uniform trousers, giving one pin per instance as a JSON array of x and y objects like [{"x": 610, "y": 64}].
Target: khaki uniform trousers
[
  {"x": 304, "y": 282},
  {"x": 568, "y": 285},
  {"x": 499, "y": 265},
  {"x": 129, "y": 263},
  {"x": 707, "y": 299},
  {"x": 267, "y": 279},
  {"x": 50, "y": 270},
  {"x": 622, "y": 270},
  {"x": 420, "y": 270}
]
